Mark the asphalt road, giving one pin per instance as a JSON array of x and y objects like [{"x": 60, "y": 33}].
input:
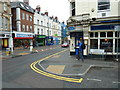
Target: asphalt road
[{"x": 18, "y": 74}]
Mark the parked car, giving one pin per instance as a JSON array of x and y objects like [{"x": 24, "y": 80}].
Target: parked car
[{"x": 65, "y": 45}]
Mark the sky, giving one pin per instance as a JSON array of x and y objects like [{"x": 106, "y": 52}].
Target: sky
[{"x": 59, "y": 8}]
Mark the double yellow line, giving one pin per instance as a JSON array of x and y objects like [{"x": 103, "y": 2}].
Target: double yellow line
[{"x": 55, "y": 76}]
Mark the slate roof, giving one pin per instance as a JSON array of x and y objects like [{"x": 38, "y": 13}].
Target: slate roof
[{"x": 22, "y": 5}]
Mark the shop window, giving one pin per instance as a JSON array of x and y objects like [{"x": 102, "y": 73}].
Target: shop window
[
  {"x": 106, "y": 44},
  {"x": 117, "y": 34},
  {"x": 109, "y": 34},
  {"x": 96, "y": 34},
  {"x": 94, "y": 44},
  {"x": 102, "y": 34},
  {"x": 91, "y": 34},
  {"x": 117, "y": 44}
]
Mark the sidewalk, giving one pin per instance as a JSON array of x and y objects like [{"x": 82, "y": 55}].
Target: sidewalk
[
  {"x": 21, "y": 52},
  {"x": 73, "y": 66}
]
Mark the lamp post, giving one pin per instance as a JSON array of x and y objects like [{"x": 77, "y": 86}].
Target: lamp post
[{"x": 117, "y": 46}]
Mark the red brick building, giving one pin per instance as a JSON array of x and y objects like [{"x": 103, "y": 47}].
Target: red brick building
[{"x": 22, "y": 24}]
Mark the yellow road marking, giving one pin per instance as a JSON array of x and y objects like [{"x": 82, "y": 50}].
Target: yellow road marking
[{"x": 55, "y": 76}]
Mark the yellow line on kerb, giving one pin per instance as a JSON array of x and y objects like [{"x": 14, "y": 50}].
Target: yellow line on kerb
[{"x": 55, "y": 76}]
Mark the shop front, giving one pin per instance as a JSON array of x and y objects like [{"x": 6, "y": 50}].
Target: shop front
[
  {"x": 39, "y": 40},
  {"x": 22, "y": 40},
  {"x": 56, "y": 40},
  {"x": 49, "y": 40},
  {"x": 4, "y": 40},
  {"x": 105, "y": 37}
]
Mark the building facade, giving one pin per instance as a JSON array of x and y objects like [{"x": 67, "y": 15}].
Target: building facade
[
  {"x": 5, "y": 25},
  {"x": 96, "y": 23},
  {"x": 64, "y": 33},
  {"x": 46, "y": 29},
  {"x": 23, "y": 24}
]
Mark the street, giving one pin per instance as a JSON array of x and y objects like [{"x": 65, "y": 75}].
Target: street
[{"x": 17, "y": 72}]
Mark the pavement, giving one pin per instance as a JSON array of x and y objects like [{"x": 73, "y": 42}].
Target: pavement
[
  {"x": 21, "y": 51},
  {"x": 74, "y": 67}
]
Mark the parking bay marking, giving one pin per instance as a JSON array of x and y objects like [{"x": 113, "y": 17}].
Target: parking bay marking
[
  {"x": 94, "y": 79},
  {"x": 55, "y": 76}
]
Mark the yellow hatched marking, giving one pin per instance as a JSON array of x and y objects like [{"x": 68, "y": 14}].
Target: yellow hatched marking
[{"x": 33, "y": 67}]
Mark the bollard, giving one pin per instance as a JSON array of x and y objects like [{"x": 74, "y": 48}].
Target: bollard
[{"x": 7, "y": 51}]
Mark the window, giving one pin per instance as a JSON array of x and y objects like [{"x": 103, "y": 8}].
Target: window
[
  {"x": 96, "y": 34},
  {"x": 23, "y": 16},
  {"x": 94, "y": 43},
  {"x": 41, "y": 31},
  {"x": 73, "y": 8},
  {"x": 41, "y": 22},
  {"x": 37, "y": 22},
  {"x": 103, "y": 4},
  {"x": 31, "y": 18},
  {"x": 27, "y": 28},
  {"x": 30, "y": 28},
  {"x": 109, "y": 34},
  {"x": 117, "y": 34},
  {"x": 91, "y": 34},
  {"x": 102, "y": 34},
  {"x": 117, "y": 45},
  {"x": 106, "y": 44},
  {"x": 38, "y": 31},
  {"x": 23, "y": 27},
  {"x": 5, "y": 6},
  {"x": 48, "y": 32},
  {"x": 27, "y": 17}
]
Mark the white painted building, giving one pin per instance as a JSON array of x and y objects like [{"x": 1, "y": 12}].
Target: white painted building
[
  {"x": 97, "y": 23},
  {"x": 46, "y": 26}
]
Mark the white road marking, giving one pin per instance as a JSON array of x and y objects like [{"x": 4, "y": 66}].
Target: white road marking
[
  {"x": 116, "y": 82},
  {"x": 94, "y": 79}
]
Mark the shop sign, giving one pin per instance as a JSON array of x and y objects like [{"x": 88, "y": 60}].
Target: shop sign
[
  {"x": 40, "y": 36},
  {"x": 24, "y": 36},
  {"x": 71, "y": 28}
]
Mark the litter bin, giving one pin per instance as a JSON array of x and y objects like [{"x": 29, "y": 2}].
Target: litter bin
[{"x": 7, "y": 51}]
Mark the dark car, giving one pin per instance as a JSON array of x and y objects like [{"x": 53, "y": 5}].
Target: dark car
[{"x": 65, "y": 45}]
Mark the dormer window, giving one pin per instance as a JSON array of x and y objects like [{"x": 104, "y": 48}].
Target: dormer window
[{"x": 21, "y": 5}]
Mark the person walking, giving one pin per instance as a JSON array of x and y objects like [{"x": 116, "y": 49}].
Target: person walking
[{"x": 80, "y": 51}]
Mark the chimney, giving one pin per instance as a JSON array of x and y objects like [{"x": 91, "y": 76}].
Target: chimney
[
  {"x": 38, "y": 8},
  {"x": 46, "y": 13},
  {"x": 26, "y": 2}
]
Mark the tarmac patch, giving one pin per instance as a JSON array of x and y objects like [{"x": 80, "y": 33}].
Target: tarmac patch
[{"x": 57, "y": 69}]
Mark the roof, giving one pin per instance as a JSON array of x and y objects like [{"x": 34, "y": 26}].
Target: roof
[{"x": 22, "y": 6}]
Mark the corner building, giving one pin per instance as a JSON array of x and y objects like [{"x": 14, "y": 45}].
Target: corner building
[{"x": 97, "y": 23}]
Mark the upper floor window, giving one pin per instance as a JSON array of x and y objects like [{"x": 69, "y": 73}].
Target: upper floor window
[
  {"x": 27, "y": 28},
  {"x": 23, "y": 16},
  {"x": 27, "y": 17},
  {"x": 37, "y": 22},
  {"x": 103, "y": 4},
  {"x": 23, "y": 27},
  {"x": 73, "y": 8},
  {"x": 41, "y": 22},
  {"x": 5, "y": 6},
  {"x": 30, "y": 28},
  {"x": 41, "y": 31},
  {"x": 31, "y": 18}
]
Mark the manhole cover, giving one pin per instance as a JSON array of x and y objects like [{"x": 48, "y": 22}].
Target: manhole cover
[{"x": 76, "y": 65}]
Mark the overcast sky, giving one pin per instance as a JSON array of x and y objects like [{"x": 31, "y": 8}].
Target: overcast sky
[{"x": 58, "y": 8}]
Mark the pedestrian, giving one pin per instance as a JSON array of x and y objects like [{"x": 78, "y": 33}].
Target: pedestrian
[{"x": 80, "y": 51}]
